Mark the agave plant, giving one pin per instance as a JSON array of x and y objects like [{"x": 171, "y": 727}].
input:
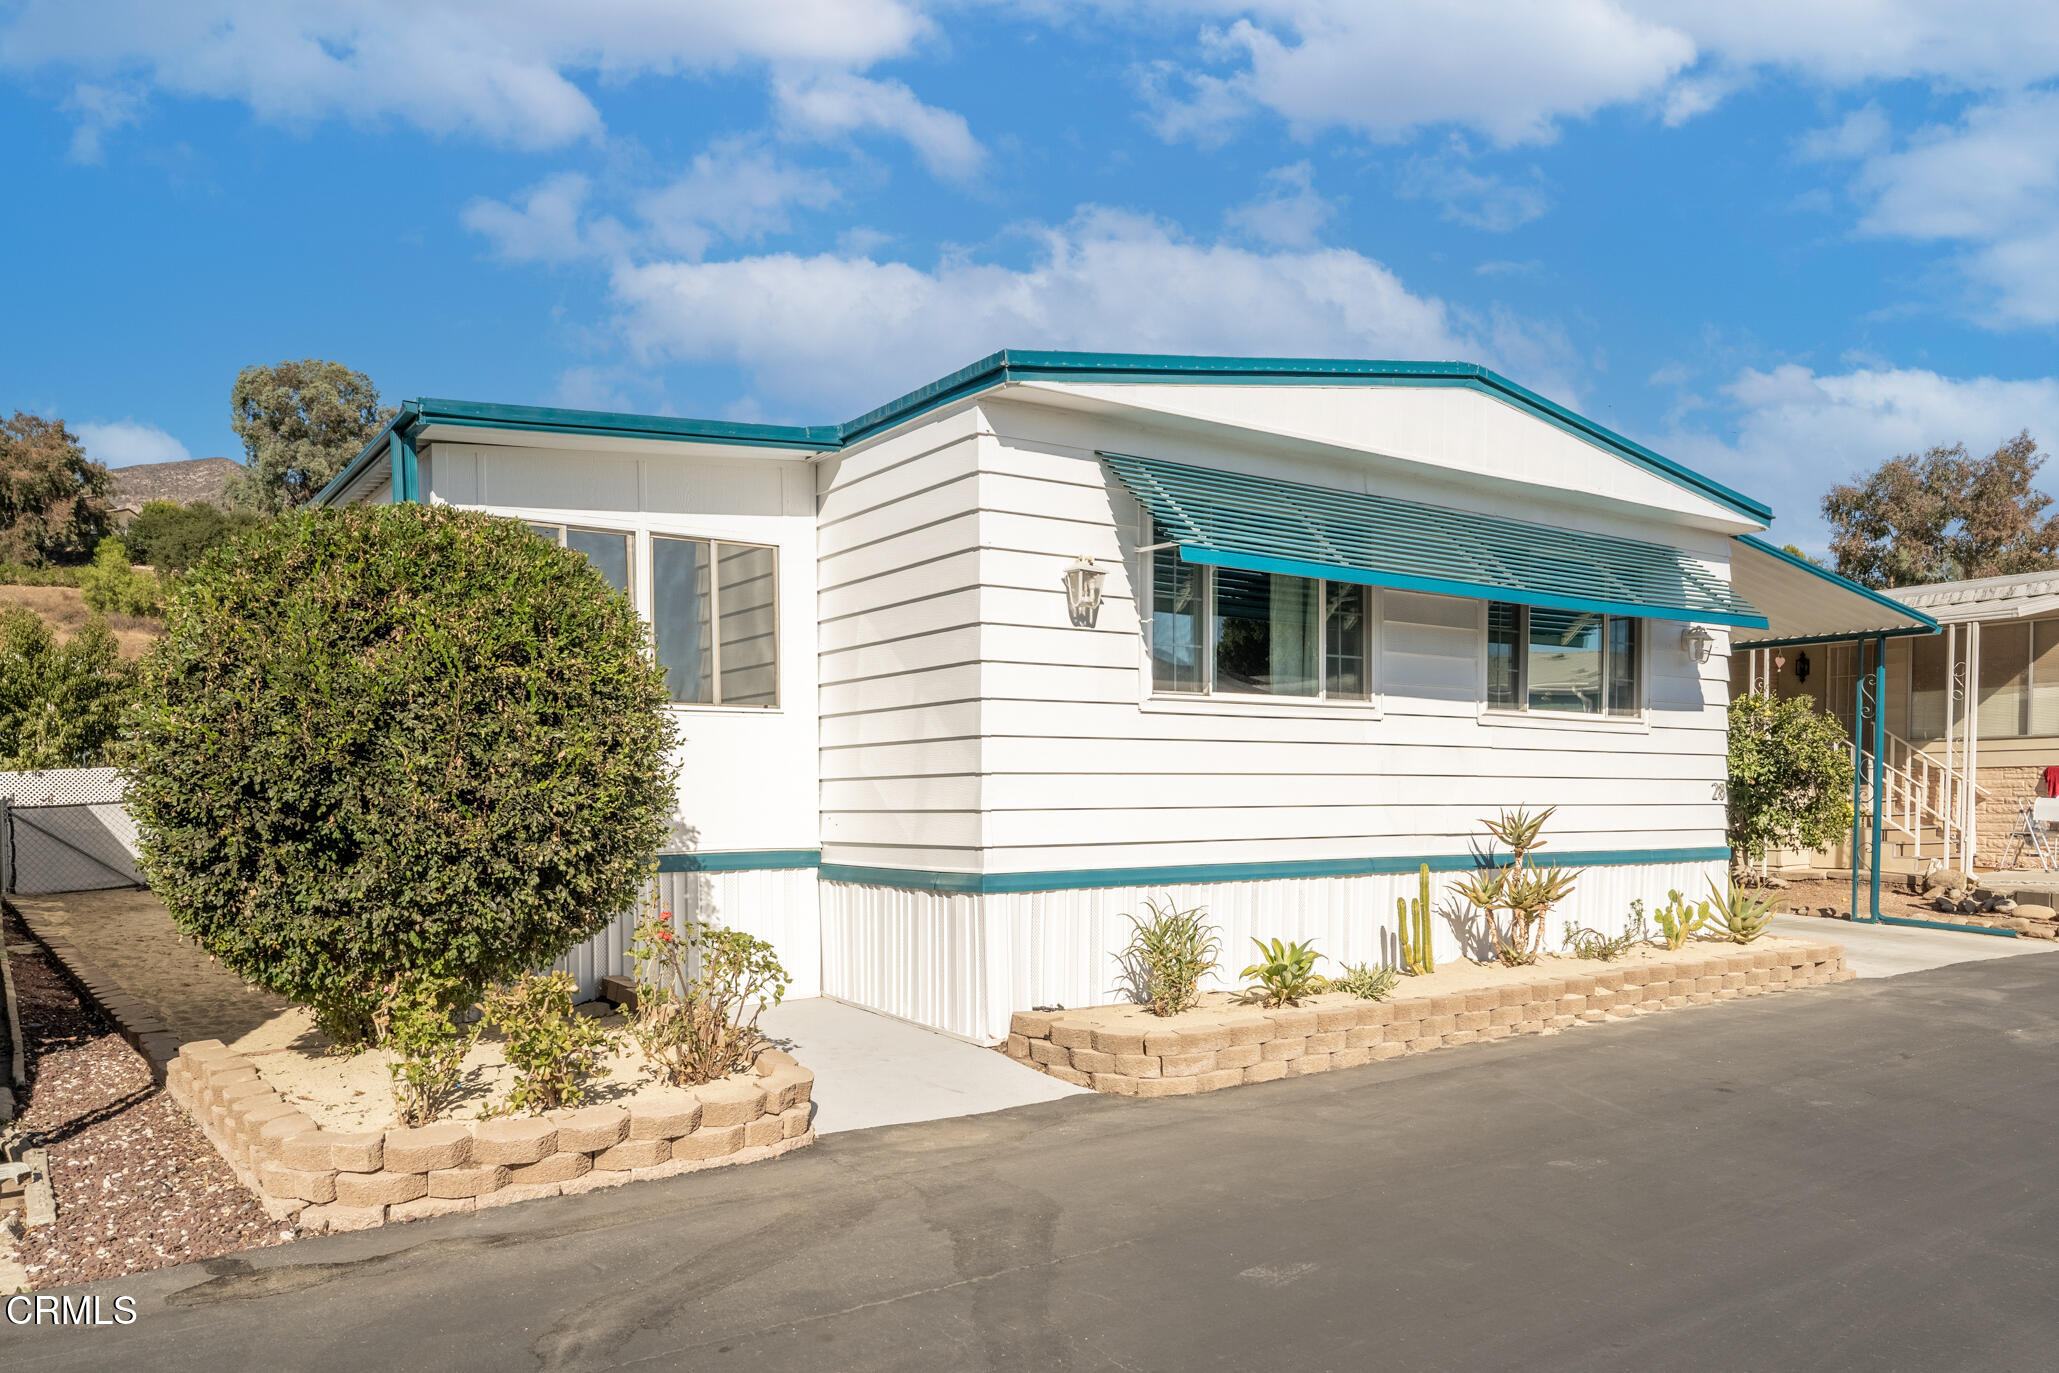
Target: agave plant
[
  {"x": 1736, "y": 914},
  {"x": 1284, "y": 972}
]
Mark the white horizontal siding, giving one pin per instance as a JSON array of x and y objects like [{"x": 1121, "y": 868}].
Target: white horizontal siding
[{"x": 964, "y": 963}]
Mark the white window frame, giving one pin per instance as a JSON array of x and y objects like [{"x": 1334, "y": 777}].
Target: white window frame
[
  {"x": 1211, "y": 701},
  {"x": 628, "y": 536},
  {"x": 649, "y": 588},
  {"x": 1520, "y": 714}
]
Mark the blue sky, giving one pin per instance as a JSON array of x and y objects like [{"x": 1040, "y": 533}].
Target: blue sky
[{"x": 1778, "y": 242}]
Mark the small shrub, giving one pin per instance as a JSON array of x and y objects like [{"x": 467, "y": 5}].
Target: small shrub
[
  {"x": 113, "y": 587},
  {"x": 1738, "y": 915},
  {"x": 22, "y": 574},
  {"x": 698, "y": 997},
  {"x": 60, "y": 704},
  {"x": 1169, "y": 954},
  {"x": 415, "y": 1021},
  {"x": 1366, "y": 981},
  {"x": 1284, "y": 973},
  {"x": 172, "y": 537},
  {"x": 1586, "y": 943},
  {"x": 1678, "y": 921},
  {"x": 552, "y": 1048}
]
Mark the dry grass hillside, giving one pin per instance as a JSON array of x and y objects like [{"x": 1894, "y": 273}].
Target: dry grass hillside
[{"x": 63, "y": 608}]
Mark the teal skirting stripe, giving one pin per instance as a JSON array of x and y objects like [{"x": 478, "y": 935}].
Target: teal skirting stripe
[
  {"x": 994, "y": 883},
  {"x": 740, "y": 860}
]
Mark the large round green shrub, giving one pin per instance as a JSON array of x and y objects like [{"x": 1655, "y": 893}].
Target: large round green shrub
[{"x": 389, "y": 745}]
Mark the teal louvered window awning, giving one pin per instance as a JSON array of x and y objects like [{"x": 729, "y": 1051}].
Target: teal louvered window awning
[{"x": 1229, "y": 519}]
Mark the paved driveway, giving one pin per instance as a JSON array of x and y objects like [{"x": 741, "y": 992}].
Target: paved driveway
[
  {"x": 1856, "y": 1177},
  {"x": 1891, "y": 950}
]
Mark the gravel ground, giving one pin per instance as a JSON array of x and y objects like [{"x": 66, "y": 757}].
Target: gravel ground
[{"x": 138, "y": 1186}]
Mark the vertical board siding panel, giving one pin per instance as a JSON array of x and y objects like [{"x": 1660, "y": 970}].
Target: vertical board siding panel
[
  {"x": 776, "y": 905},
  {"x": 964, "y": 963}
]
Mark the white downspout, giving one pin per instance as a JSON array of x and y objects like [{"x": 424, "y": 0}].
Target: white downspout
[
  {"x": 1948, "y": 803},
  {"x": 1969, "y": 790}
]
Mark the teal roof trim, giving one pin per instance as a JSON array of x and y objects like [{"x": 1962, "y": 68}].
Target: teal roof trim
[
  {"x": 1230, "y": 519},
  {"x": 1018, "y": 365}
]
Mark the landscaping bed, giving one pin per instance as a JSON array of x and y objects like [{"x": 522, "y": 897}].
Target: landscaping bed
[
  {"x": 1228, "y": 1040},
  {"x": 1831, "y": 898},
  {"x": 335, "y": 1177}
]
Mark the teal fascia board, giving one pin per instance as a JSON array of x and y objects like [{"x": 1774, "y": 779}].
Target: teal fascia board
[
  {"x": 380, "y": 445},
  {"x": 549, "y": 420},
  {"x": 1926, "y": 625},
  {"x": 1264, "y": 524},
  {"x": 740, "y": 860},
  {"x": 1084, "y": 879},
  {"x": 1173, "y": 369},
  {"x": 999, "y": 369}
]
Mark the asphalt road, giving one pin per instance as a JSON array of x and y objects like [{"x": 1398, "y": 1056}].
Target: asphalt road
[{"x": 1850, "y": 1177}]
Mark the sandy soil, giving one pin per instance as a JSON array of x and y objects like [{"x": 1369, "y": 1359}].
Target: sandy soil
[
  {"x": 129, "y": 935},
  {"x": 1449, "y": 978},
  {"x": 63, "y": 608},
  {"x": 355, "y": 1091}
]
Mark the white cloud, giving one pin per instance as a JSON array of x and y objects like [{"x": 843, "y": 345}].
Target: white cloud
[
  {"x": 734, "y": 190},
  {"x": 1989, "y": 183},
  {"x": 99, "y": 110},
  {"x": 1796, "y": 432},
  {"x": 835, "y": 331},
  {"x": 497, "y": 69},
  {"x": 1509, "y": 71},
  {"x": 1288, "y": 213},
  {"x": 545, "y": 227},
  {"x": 1513, "y": 73},
  {"x": 1480, "y": 200},
  {"x": 126, "y": 441},
  {"x": 831, "y": 104}
]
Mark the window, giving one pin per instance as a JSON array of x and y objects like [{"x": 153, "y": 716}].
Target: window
[
  {"x": 1231, "y": 632},
  {"x": 1574, "y": 661},
  {"x": 607, "y": 551},
  {"x": 714, "y": 614}
]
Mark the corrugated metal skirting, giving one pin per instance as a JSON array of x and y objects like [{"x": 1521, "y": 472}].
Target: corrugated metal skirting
[
  {"x": 966, "y": 963},
  {"x": 776, "y": 905}
]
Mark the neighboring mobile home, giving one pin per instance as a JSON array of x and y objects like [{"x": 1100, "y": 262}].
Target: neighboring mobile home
[
  {"x": 1346, "y": 611},
  {"x": 1972, "y": 713}
]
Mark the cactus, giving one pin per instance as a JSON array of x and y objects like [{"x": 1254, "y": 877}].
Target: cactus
[
  {"x": 1415, "y": 928},
  {"x": 1679, "y": 922}
]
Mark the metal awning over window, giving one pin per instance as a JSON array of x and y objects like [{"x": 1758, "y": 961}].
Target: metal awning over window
[{"x": 1229, "y": 519}]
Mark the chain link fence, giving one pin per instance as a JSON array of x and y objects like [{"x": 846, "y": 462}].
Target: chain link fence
[{"x": 65, "y": 831}]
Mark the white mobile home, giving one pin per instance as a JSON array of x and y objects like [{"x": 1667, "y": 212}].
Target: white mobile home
[{"x": 1346, "y": 611}]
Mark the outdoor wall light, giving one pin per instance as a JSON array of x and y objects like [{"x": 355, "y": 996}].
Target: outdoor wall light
[
  {"x": 1696, "y": 643},
  {"x": 1083, "y": 591},
  {"x": 1801, "y": 667}
]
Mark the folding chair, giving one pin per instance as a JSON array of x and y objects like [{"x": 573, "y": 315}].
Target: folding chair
[{"x": 2034, "y": 821}]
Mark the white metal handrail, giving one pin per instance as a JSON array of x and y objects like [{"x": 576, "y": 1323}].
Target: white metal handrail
[{"x": 1918, "y": 792}]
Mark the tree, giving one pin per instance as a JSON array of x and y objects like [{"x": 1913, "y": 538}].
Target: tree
[
  {"x": 60, "y": 704},
  {"x": 113, "y": 586},
  {"x": 300, "y": 423},
  {"x": 53, "y": 498},
  {"x": 171, "y": 537},
  {"x": 1944, "y": 517},
  {"x": 1790, "y": 777},
  {"x": 396, "y": 747}
]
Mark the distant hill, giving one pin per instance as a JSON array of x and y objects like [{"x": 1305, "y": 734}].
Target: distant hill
[{"x": 195, "y": 479}]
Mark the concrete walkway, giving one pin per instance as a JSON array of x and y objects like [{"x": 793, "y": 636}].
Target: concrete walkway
[
  {"x": 1891, "y": 950},
  {"x": 872, "y": 1069}
]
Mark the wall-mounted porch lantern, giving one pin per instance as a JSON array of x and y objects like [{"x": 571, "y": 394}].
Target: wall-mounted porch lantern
[
  {"x": 1696, "y": 643},
  {"x": 1083, "y": 591}
]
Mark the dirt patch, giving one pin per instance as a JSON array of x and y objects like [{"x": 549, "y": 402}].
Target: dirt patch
[
  {"x": 1832, "y": 897},
  {"x": 63, "y": 608},
  {"x": 137, "y": 1185}
]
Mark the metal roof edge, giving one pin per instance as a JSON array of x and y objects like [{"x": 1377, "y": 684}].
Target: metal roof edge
[{"x": 1887, "y": 602}]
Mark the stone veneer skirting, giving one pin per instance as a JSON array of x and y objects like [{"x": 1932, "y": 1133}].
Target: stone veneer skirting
[
  {"x": 330, "y": 1180},
  {"x": 1264, "y": 1045}
]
